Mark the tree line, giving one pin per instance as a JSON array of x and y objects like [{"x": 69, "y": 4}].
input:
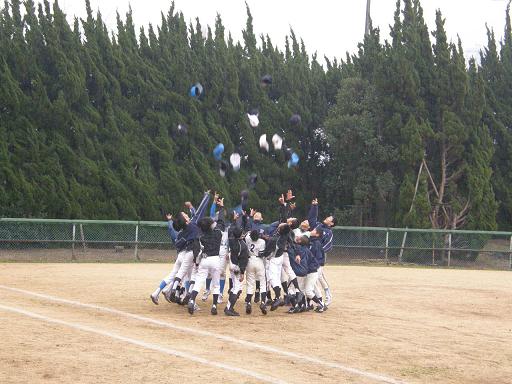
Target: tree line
[{"x": 405, "y": 132}]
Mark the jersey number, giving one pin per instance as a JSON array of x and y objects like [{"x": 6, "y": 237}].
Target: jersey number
[{"x": 252, "y": 248}]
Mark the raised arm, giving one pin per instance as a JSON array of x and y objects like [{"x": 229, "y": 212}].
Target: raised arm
[
  {"x": 213, "y": 209},
  {"x": 221, "y": 220},
  {"x": 172, "y": 231},
  {"x": 313, "y": 214},
  {"x": 202, "y": 208}
]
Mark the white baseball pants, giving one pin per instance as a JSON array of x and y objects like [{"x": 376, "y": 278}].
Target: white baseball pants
[
  {"x": 208, "y": 265},
  {"x": 255, "y": 271},
  {"x": 274, "y": 271}
]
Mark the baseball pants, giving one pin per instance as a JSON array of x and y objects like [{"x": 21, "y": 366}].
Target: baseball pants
[
  {"x": 234, "y": 271},
  {"x": 274, "y": 271},
  {"x": 255, "y": 271},
  {"x": 182, "y": 256},
  {"x": 208, "y": 265}
]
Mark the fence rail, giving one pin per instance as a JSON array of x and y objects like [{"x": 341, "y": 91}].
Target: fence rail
[{"x": 109, "y": 240}]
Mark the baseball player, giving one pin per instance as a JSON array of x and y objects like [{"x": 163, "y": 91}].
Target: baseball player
[
  {"x": 224, "y": 257},
  {"x": 326, "y": 227},
  {"x": 182, "y": 231},
  {"x": 305, "y": 266},
  {"x": 206, "y": 257},
  {"x": 188, "y": 232},
  {"x": 255, "y": 269},
  {"x": 238, "y": 259}
]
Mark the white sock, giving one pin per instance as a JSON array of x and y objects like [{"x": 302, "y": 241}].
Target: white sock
[{"x": 156, "y": 293}]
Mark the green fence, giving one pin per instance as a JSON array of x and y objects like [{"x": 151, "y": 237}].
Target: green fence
[{"x": 91, "y": 240}]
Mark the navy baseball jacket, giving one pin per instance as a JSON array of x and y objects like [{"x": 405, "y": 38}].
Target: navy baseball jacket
[
  {"x": 186, "y": 236},
  {"x": 313, "y": 223}
]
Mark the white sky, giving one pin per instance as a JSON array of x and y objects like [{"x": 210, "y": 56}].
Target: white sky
[{"x": 330, "y": 27}]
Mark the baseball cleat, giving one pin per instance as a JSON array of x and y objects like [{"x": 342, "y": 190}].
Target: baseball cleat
[
  {"x": 230, "y": 312},
  {"x": 167, "y": 296},
  {"x": 205, "y": 295},
  {"x": 191, "y": 307},
  {"x": 214, "y": 310},
  {"x": 184, "y": 301},
  {"x": 172, "y": 295},
  {"x": 328, "y": 299},
  {"x": 319, "y": 309},
  {"x": 263, "y": 308},
  {"x": 300, "y": 297},
  {"x": 154, "y": 299},
  {"x": 291, "y": 310},
  {"x": 248, "y": 308},
  {"x": 257, "y": 296},
  {"x": 276, "y": 303}
]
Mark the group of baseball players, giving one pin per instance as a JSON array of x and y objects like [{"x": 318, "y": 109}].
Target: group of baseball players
[{"x": 285, "y": 257}]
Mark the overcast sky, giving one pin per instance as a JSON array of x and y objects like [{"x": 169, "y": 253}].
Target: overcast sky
[{"x": 330, "y": 27}]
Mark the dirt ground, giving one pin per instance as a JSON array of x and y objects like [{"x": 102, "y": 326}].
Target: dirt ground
[{"x": 389, "y": 324}]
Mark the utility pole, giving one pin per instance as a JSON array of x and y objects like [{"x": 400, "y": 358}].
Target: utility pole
[{"x": 368, "y": 18}]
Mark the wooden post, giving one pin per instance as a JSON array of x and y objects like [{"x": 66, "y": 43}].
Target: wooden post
[
  {"x": 449, "y": 248},
  {"x": 433, "y": 251},
  {"x": 73, "y": 257},
  {"x": 137, "y": 242},
  {"x": 82, "y": 236},
  {"x": 402, "y": 248}
]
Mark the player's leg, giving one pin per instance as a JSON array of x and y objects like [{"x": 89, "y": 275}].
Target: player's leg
[
  {"x": 325, "y": 285},
  {"x": 267, "y": 299},
  {"x": 198, "y": 283},
  {"x": 297, "y": 306},
  {"x": 250, "y": 278},
  {"x": 292, "y": 277},
  {"x": 207, "y": 288},
  {"x": 275, "y": 280},
  {"x": 185, "y": 268},
  {"x": 233, "y": 292},
  {"x": 311, "y": 293},
  {"x": 284, "y": 281},
  {"x": 165, "y": 284},
  {"x": 224, "y": 261},
  {"x": 215, "y": 274},
  {"x": 260, "y": 275}
]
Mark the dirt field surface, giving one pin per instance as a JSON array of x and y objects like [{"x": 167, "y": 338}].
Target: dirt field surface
[{"x": 94, "y": 323}]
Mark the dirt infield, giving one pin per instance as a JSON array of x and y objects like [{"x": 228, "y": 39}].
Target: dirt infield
[{"x": 385, "y": 325}]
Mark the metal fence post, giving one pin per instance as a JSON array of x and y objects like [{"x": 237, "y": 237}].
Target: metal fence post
[
  {"x": 510, "y": 253},
  {"x": 73, "y": 257},
  {"x": 449, "y": 248},
  {"x": 137, "y": 242},
  {"x": 387, "y": 246}
]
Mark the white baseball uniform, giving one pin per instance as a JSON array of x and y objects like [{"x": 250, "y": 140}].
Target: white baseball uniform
[{"x": 255, "y": 267}]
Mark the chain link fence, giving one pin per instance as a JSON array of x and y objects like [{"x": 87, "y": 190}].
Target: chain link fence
[
  {"x": 32, "y": 240},
  {"x": 85, "y": 240},
  {"x": 465, "y": 249}
]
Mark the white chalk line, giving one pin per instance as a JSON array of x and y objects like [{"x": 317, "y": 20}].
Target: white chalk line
[
  {"x": 245, "y": 343},
  {"x": 146, "y": 345}
]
